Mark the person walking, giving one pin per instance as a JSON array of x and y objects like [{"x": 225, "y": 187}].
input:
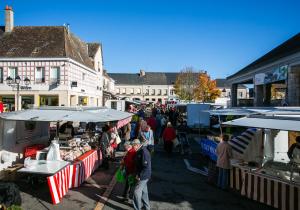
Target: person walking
[
  {"x": 224, "y": 153},
  {"x": 147, "y": 136},
  {"x": 143, "y": 174},
  {"x": 104, "y": 146},
  {"x": 129, "y": 165},
  {"x": 168, "y": 136}
]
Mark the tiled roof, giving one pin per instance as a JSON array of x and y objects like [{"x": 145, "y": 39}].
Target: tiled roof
[
  {"x": 287, "y": 48},
  {"x": 93, "y": 48},
  {"x": 44, "y": 42},
  {"x": 150, "y": 78}
]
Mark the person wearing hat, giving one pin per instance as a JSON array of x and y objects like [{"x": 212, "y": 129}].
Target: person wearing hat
[
  {"x": 129, "y": 164},
  {"x": 143, "y": 174}
]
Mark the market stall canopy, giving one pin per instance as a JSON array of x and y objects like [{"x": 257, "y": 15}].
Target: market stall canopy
[
  {"x": 276, "y": 122},
  {"x": 270, "y": 111},
  {"x": 76, "y": 114},
  {"x": 235, "y": 112}
]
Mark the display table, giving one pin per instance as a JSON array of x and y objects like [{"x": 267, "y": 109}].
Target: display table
[
  {"x": 73, "y": 175},
  {"x": 44, "y": 167},
  {"x": 266, "y": 189}
]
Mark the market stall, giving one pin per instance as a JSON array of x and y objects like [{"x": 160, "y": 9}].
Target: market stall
[
  {"x": 67, "y": 162},
  {"x": 269, "y": 177}
]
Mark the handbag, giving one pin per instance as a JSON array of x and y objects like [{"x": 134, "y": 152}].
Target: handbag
[{"x": 175, "y": 142}]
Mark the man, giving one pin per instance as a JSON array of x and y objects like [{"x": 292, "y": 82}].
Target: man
[
  {"x": 129, "y": 164},
  {"x": 224, "y": 153},
  {"x": 143, "y": 174},
  {"x": 147, "y": 136},
  {"x": 294, "y": 151}
]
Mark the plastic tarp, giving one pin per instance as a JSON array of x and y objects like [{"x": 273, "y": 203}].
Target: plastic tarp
[
  {"x": 277, "y": 123},
  {"x": 76, "y": 114}
]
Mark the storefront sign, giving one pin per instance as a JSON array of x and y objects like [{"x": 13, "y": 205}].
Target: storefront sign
[{"x": 274, "y": 76}]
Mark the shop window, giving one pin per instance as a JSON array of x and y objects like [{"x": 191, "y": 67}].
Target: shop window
[
  {"x": 54, "y": 75},
  {"x": 12, "y": 72},
  {"x": 49, "y": 100},
  {"x": 1, "y": 75},
  {"x": 40, "y": 75}
]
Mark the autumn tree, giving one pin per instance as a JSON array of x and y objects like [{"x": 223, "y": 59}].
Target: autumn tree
[
  {"x": 206, "y": 90},
  {"x": 186, "y": 84}
]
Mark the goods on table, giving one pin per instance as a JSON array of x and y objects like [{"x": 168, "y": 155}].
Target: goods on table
[{"x": 74, "y": 148}]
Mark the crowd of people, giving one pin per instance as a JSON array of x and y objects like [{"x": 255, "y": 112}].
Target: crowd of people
[{"x": 139, "y": 138}]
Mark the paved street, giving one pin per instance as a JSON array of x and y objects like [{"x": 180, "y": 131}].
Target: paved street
[{"x": 174, "y": 187}]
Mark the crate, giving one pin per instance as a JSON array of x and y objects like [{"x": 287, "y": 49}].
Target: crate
[{"x": 30, "y": 151}]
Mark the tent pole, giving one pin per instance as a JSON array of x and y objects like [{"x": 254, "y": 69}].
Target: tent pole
[{"x": 220, "y": 125}]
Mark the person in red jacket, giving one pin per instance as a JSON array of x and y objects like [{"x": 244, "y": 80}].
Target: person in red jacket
[
  {"x": 168, "y": 136},
  {"x": 152, "y": 123},
  {"x": 129, "y": 164}
]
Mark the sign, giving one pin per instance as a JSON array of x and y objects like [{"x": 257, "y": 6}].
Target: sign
[
  {"x": 278, "y": 74},
  {"x": 209, "y": 148}
]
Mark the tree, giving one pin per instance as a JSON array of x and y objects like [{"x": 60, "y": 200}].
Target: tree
[
  {"x": 207, "y": 90},
  {"x": 186, "y": 83}
]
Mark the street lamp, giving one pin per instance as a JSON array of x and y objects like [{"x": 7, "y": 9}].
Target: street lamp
[{"x": 11, "y": 82}]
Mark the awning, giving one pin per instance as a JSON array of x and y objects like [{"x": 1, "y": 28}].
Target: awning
[
  {"x": 233, "y": 112},
  {"x": 277, "y": 123},
  {"x": 76, "y": 114}
]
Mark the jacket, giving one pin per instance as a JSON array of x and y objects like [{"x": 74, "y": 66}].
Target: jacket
[
  {"x": 169, "y": 134},
  {"x": 224, "y": 153},
  {"x": 143, "y": 163},
  {"x": 129, "y": 161}
]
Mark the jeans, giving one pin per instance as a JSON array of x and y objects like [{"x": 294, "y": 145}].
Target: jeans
[
  {"x": 223, "y": 179},
  {"x": 140, "y": 196}
]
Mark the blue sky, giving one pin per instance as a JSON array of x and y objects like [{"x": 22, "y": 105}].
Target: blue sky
[{"x": 159, "y": 35}]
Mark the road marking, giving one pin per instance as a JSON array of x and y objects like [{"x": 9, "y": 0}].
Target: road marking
[
  {"x": 193, "y": 169},
  {"x": 104, "y": 198}
]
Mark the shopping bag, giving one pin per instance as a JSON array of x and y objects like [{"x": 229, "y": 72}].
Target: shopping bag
[
  {"x": 131, "y": 180},
  {"x": 175, "y": 142},
  {"x": 118, "y": 139},
  {"x": 120, "y": 176}
]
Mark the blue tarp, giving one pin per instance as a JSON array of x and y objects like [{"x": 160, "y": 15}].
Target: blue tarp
[{"x": 208, "y": 148}]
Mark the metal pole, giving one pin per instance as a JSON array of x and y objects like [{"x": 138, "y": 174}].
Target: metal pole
[{"x": 18, "y": 95}]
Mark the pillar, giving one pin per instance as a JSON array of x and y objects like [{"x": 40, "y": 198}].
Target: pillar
[
  {"x": 258, "y": 95},
  {"x": 294, "y": 86},
  {"x": 234, "y": 92},
  {"x": 267, "y": 95}
]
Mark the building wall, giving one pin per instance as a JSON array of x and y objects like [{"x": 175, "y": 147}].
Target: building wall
[
  {"x": 145, "y": 92},
  {"x": 70, "y": 70}
]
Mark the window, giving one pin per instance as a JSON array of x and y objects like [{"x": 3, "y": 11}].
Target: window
[
  {"x": 153, "y": 91},
  {"x": 123, "y": 91},
  {"x": 159, "y": 92},
  {"x": 54, "y": 75},
  {"x": 165, "y": 92},
  {"x": 40, "y": 75},
  {"x": 172, "y": 92},
  {"x": 1, "y": 75},
  {"x": 147, "y": 99},
  {"x": 118, "y": 90},
  {"x": 153, "y": 99},
  {"x": 12, "y": 72},
  {"x": 138, "y": 91},
  {"x": 131, "y": 91},
  {"x": 241, "y": 94},
  {"x": 83, "y": 76}
]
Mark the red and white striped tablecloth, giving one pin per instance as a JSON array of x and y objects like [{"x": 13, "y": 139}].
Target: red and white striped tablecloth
[{"x": 73, "y": 175}]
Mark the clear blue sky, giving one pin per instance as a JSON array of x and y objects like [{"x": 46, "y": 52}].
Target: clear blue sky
[{"x": 158, "y": 35}]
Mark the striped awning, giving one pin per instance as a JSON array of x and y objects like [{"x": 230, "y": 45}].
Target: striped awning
[{"x": 240, "y": 143}]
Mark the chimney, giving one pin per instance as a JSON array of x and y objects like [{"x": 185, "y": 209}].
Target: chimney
[
  {"x": 9, "y": 19},
  {"x": 142, "y": 73}
]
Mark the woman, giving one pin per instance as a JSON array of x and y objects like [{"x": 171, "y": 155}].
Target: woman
[
  {"x": 105, "y": 146},
  {"x": 147, "y": 136},
  {"x": 168, "y": 136}
]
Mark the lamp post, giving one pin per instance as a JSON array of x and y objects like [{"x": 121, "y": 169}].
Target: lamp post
[{"x": 16, "y": 83}]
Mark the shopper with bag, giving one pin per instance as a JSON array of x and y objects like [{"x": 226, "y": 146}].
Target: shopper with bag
[
  {"x": 129, "y": 164},
  {"x": 104, "y": 146},
  {"x": 169, "y": 137}
]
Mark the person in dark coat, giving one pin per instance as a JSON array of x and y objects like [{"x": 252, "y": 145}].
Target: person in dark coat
[{"x": 143, "y": 174}]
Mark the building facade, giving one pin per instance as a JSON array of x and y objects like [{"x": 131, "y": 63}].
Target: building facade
[
  {"x": 159, "y": 87},
  {"x": 145, "y": 86},
  {"x": 62, "y": 69},
  {"x": 275, "y": 77},
  {"x": 108, "y": 87}
]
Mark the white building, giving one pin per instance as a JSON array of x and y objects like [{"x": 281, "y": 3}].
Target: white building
[
  {"x": 108, "y": 87},
  {"x": 145, "y": 86},
  {"x": 62, "y": 69},
  {"x": 158, "y": 86}
]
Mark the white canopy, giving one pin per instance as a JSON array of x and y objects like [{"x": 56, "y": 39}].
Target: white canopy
[
  {"x": 76, "y": 114},
  {"x": 278, "y": 123},
  {"x": 270, "y": 111}
]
